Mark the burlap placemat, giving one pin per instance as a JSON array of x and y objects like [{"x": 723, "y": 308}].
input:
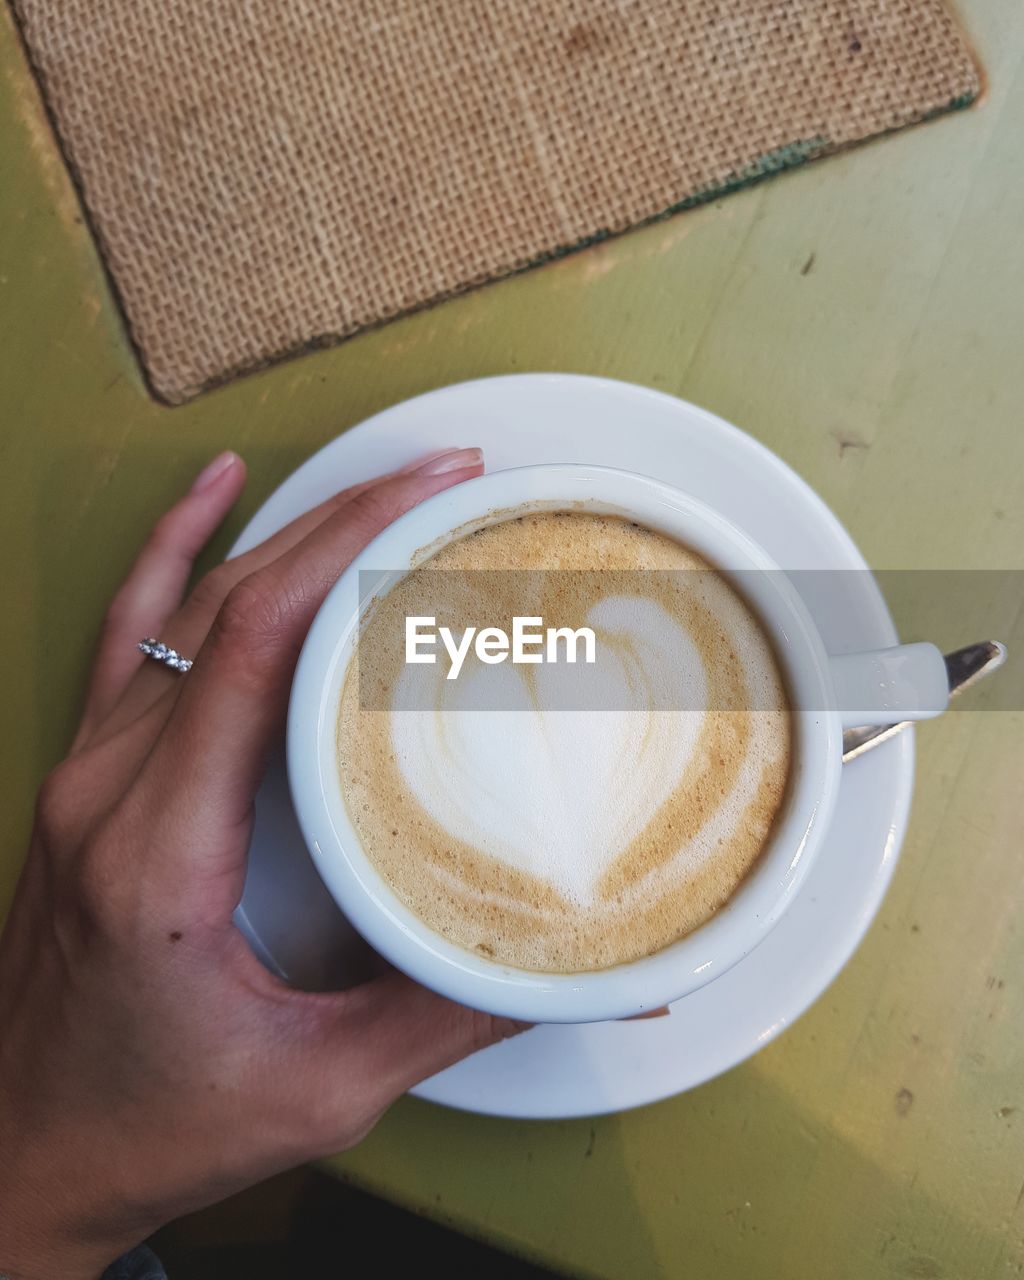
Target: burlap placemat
[{"x": 264, "y": 177}]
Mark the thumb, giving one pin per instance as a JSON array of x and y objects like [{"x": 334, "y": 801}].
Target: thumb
[{"x": 387, "y": 1035}]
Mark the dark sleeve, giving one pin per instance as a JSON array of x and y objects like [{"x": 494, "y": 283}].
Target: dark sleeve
[{"x": 140, "y": 1264}]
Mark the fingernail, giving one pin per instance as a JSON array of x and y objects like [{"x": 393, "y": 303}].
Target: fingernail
[
  {"x": 410, "y": 467},
  {"x": 213, "y": 471},
  {"x": 451, "y": 460}
]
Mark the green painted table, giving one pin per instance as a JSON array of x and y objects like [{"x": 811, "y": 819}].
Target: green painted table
[{"x": 863, "y": 318}]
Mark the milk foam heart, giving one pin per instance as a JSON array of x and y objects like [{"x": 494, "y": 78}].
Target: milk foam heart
[
  {"x": 554, "y": 792},
  {"x": 567, "y": 818}
]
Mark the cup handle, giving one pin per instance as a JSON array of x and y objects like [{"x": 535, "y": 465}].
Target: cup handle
[{"x": 885, "y": 686}]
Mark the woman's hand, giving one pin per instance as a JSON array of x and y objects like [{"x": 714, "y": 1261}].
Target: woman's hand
[{"x": 148, "y": 1063}]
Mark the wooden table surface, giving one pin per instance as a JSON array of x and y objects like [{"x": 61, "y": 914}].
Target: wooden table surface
[{"x": 863, "y": 317}]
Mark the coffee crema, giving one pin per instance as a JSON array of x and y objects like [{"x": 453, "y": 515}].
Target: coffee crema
[{"x": 556, "y": 839}]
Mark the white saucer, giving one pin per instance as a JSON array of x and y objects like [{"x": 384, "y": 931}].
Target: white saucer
[{"x": 560, "y": 1071}]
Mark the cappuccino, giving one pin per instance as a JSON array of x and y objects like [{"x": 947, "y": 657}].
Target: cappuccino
[{"x": 519, "y": 815}]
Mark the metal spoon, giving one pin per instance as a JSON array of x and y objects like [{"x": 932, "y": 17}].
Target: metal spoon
[{"x": 963, "y": 666}]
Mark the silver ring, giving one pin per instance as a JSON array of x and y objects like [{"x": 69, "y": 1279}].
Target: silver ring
[{"x": 169, "y": 657}]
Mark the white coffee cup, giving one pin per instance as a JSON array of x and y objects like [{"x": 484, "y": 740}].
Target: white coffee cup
[{"x": 907, "y": 682}]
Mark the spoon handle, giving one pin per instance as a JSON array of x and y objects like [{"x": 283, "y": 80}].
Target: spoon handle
[{"x": 963, "y": 667}]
